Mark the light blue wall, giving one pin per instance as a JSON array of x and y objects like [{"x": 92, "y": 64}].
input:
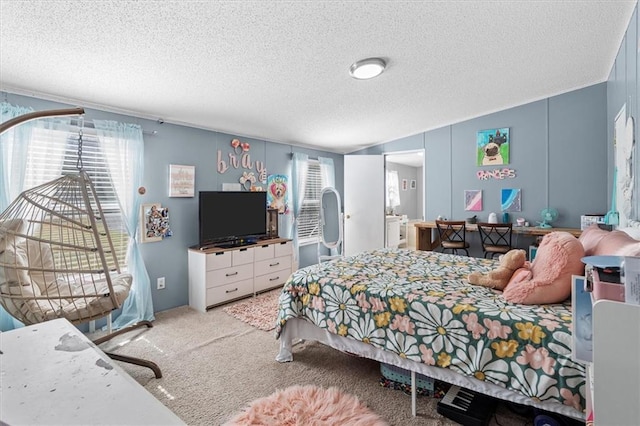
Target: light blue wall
[
  {"x": 558, "y": 152},
  {"x": 174, "y": 144},
  {"x": 622, "y": 88}
]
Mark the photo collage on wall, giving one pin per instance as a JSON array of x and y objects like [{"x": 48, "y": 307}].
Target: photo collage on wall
[{"x": 154, "y": 222}]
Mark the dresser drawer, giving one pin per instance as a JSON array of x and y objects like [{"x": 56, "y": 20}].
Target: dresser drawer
[
  {"x": 271, "y": 280},
  {"x": 219, "y": 277},
  {"x": 242, "y": 256},
  {"x": 275, "y": 264},
  {"x": 218, "y": 260},
  {"x": 263, "y": 252},
  {"x": 217, "y": 295},
  {"x": 283, "y": 249}
]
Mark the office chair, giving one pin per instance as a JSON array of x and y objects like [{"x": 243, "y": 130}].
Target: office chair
[
  {"x": 453, "y": 235},
  {"x": 495, "y": 238}
]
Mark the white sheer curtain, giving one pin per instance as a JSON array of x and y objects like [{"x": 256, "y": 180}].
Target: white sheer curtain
[
  {"x": 327, "y": 172},
  {"x": 393, "y": 190},
  {"x": 123, "y": 146},
  {"x": 299, "y": 172},
  {"x": 31, "y": 154}
]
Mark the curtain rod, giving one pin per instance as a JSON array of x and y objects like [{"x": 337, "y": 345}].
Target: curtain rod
[
  {"x": 39, "y": 114},
  {"x": 51, "y": 113}
]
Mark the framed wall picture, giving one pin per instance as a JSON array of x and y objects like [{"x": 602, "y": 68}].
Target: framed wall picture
[
  {"x": 473, "y": 200},
  {"x": 511, "y": 200},
  {"x": 154, "y": 222},
  {"x": 413, "y": 184},
  {"x": 405, "y": 184},
  {"x": 181, "y": 180},
  {"x": 493, "y": 147}
]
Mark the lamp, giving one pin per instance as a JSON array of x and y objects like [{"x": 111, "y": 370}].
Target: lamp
[{"x": 367, "y": 68}]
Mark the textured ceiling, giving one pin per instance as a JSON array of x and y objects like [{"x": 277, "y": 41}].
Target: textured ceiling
[{"x": 278, "y": 70}]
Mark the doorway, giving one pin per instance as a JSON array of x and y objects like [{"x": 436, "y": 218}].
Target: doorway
[{"x": 404, "y": 196}]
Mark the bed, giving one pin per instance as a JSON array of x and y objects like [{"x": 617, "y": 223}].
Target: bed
[{"x": 415, "y": 310}]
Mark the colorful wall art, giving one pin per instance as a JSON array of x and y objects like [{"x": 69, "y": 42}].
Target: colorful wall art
[
  {"x": 511, "y": 200},
  {"x": 154, "y": 222},
  {"x": 493, "y": 147},
  {"x": 473, "y": 200},
  {"x": 278, "y": 193}
]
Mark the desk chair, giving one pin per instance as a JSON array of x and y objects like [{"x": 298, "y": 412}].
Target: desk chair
[
  {"x": 495, "y": 238},
  {"x": 453, "y": 235}
]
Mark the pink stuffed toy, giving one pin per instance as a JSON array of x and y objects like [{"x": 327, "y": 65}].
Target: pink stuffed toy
[{"x": 548, "y": 279}]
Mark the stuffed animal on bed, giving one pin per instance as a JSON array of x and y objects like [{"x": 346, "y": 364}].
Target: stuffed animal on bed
[
  {"x": 499, "y": 277},
  {"x": 548, "y": 279}
]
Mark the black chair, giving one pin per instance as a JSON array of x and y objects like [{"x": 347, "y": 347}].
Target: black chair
[
  {"x": 453, "y": 235},
  {"x": 495, "y": 238}
]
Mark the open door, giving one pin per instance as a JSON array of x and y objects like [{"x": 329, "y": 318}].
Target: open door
[{"x": 363, "y": 203}]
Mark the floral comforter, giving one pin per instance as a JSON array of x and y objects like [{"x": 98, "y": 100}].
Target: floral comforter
[{"x": 419, "y": 305}]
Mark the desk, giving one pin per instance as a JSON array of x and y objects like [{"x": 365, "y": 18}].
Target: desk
[
  {"x": 53, "y": 374},
  {"x": 428, "y": 240}
]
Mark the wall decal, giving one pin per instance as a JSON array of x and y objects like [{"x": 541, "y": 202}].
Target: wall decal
[
  {"x": 496, "y": 174},
  {"x": 492, "y": 147},
  {"x": 240, "y": 157}
]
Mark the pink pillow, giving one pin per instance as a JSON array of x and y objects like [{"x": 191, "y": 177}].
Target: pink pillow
[
  {"x": 590, "y": 238},
  {"x": 616, "y": 243}
]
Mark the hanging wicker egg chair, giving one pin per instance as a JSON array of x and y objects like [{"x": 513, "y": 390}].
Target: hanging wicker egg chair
[{"x": 57, "y": 258}]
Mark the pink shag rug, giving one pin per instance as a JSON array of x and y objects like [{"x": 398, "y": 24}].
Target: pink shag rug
[
  {"x": 307, "y": 406},
  {"x": 260, "y": 311}
]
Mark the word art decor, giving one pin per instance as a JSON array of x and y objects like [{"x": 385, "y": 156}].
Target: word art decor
[
  {"x": 496, "y": 174},
  {"x": 181, "y": 180},
  {"x": 239, "y": 157}
]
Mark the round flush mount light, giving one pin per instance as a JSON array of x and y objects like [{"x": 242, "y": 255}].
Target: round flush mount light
[{"x": 367, "y": 68}]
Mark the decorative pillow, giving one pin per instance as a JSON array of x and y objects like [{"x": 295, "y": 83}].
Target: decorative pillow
[
  {"x": 590, "y": 238},
  {"x": 6, "y": 226},
  {"x": 549, "y": 278},
  {"x": 617, "y": 243},
  {"x": 40, "y": 257}
]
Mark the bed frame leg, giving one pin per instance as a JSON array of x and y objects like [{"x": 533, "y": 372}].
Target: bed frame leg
[{"x": 413, "y": 393}]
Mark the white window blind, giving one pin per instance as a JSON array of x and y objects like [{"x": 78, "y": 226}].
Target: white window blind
[
  {"x": 54, "y": 152},
  {"x": 310, "y": 210}
]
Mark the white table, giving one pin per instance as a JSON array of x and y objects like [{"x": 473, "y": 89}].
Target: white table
[{"x": 52, "y": 374}]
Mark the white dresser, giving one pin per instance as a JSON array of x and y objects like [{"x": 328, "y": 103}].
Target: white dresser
[{"x": 220, "y": 275}]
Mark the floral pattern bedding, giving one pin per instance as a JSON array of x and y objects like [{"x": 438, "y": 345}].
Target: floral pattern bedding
[{"x": 419, "y": 305}]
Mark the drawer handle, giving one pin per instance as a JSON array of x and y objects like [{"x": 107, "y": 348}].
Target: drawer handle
[
  {"x": 274, "y": 279},
  {"x": 232, "y": 274},
  {"x": 274, "y": 264},
  {"x": 231, "y": 291}
]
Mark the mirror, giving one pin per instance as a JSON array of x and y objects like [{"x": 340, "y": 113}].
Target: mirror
[{"x": 330, "y": 223}]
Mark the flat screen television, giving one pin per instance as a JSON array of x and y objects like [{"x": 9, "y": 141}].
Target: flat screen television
[{"x": 228, "y": 216}]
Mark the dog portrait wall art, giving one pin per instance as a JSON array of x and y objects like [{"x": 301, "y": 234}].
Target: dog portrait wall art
[
  {"x": 493, "y": 147},
  {"x": 277, "y": 193}
]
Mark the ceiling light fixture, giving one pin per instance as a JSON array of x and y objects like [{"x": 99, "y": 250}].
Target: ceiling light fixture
[{"x": 367, "y": 68}]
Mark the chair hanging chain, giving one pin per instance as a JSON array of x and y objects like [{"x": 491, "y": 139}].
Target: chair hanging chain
[{"x": 79, "y": 164}]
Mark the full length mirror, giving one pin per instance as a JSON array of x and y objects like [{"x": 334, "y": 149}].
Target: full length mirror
[{"x": 330, "y": 224}]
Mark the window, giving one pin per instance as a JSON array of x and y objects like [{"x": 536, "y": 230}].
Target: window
[
  {"x": 310, "y": 209},
  {"x": 54, "y": 152}
]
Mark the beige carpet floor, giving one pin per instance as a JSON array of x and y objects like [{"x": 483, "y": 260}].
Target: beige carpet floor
[{"x": 214, "y": 365}]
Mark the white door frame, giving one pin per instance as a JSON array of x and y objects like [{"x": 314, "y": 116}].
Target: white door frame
[{"x": 410, "y": 151}]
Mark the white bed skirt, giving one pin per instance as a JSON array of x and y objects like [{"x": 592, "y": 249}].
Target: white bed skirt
[{"x": 297, "y": 328}]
